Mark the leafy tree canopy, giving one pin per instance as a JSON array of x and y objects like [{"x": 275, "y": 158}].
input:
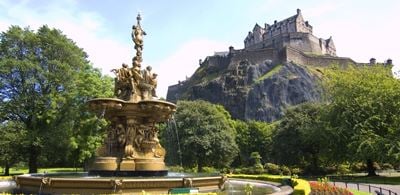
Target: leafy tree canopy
[
  {"x": 364, "y": 110},
  {"x": 206, "y": 134},
  {"x": 45, "y": 81}
]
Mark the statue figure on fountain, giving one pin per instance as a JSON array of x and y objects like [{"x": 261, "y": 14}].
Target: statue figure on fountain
[
  {"x": 134, "y": 84},
  {"x": 123, "y": 84},
  {"x": 137, "y": 36}
]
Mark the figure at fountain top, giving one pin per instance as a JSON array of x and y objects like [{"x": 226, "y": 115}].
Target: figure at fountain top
[
  {"x": 137, "y": 36},
  {"x": 134, "y": 84}
]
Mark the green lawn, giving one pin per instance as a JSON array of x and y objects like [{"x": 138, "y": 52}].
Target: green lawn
[
  {"x": 19, "y": 171},
  {"x": 355, "y": 192}
]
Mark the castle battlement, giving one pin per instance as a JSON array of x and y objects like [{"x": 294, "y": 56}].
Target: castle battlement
[{"x": 292, "y": 32}]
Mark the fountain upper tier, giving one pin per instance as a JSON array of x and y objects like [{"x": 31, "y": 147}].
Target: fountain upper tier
[{"x": 153, "y": 111}]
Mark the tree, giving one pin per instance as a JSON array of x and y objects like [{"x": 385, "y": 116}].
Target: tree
[
  {"x": 206, "y": 134},
  {"x": 253, "y": 136},
  {"x": 302, "y": 137},
  {"x": 45, "y": 81},
  {"x": 13, "y": 136},
  {"x": 364, "y": 110}
]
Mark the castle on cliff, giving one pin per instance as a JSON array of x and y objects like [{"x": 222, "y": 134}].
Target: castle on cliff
[
  {"x": 268, "y": 75},
  {"x": 289, "y": 40},
  {"x": 293, "y": 32}
]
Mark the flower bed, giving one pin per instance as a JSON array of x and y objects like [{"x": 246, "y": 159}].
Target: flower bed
[{"x": 325, "y": 188}]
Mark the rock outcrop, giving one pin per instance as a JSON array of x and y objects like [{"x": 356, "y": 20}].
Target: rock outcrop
[{"x": 250, "y": 88}]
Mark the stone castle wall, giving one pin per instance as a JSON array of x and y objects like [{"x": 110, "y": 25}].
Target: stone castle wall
[
  {"x": 293, "y": 32},
  {"x": 290, "y": 54},
  {"x": 256, "y": 56},
  {"x": 302, "y": 41},
  {"x": 217, "y": 61}
]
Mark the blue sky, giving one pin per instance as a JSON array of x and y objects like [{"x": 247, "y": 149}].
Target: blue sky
[{"x": 180, "y": 32}]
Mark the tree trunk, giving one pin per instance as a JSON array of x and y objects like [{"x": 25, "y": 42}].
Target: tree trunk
[
  {"x": 199, "y": 166},
  {"x": 314, "y": 164},
  {"x": 370, "y": 168},
  {"x": 6, "y": 169},
  {"x": 33, "y": 156}
]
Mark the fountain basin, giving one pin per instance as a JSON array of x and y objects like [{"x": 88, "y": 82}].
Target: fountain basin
[
  {"x": 84, "y": 184},
  {"x": 238, "y": 186}
]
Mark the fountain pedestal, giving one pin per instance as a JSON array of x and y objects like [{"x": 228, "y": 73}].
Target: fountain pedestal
[{"x": 132, "y": 146}]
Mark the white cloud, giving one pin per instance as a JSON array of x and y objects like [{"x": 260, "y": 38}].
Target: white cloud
[
  {"x": 359, "y": 35},
  {"x": 184, "y": 62},
  {"x": 85, "y": 28}
]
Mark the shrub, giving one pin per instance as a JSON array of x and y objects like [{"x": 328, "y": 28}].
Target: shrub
[
  {"x": 302, "y": 187},
  {"x": 20, "y": 165},
  {"x": 272, "y": 169},
  {"x": 376, "y": 166},
  {"x": 175, "y": 169},
  {"x": 190, "y": 170},
  {"x": 244, "y": 170},
  {"x": 226, "y": 170},
  {"x": 257, "y": 168},
  {"x": 209, "y": 170},
  {"x": 343, "y": 169},
  {"x": 237, "y": 171},
  {"x": 330, "y": 169},
  {"x": 296, "y": 171},
  {"x": 359, "y": 167},
  {"x": 256, "y": 158},
  {"x": 285, "y": 170},
  {"x": 387, "y": 166}
]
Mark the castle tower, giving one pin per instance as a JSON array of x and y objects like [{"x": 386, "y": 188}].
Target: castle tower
[{"x": 292, "y": 32}]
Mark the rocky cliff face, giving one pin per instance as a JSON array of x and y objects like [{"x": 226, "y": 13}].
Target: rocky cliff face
[{"x": 250, "y": 89}]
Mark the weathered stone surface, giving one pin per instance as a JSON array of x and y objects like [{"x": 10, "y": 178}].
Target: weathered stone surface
[
  {"x": 249, "y": 91},
  {"x": 292, "y": 85}
]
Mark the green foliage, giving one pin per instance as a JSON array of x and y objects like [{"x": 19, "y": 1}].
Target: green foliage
[
  {"x": 285, "y": 170},
  {"x": 364, "y": 113},
  {"x": 257, "y": 167},
  {"x": 343, "y": 169},
  {"x": 206, "y": 135},
  {"x": 273, "y": 71},
  {"x": 358, "y": 167},
  {"x": 46, "y": 79},
  {"x": 253, "y": 136},
  {"x": 209, "y": 170},
  {"x": 13, "y": 136},
  {"x": 296, "y": 171},
  {"x": 272, "y": 169},
  {"x": 175, "y": 168},
  {"x": 255, "y": 156},
  {"x": 387, "y": 166},
  {"x": 302, "y": 137}
]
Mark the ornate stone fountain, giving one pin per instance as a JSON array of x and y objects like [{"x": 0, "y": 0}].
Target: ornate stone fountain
[{"x": 132, "y": 147}]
